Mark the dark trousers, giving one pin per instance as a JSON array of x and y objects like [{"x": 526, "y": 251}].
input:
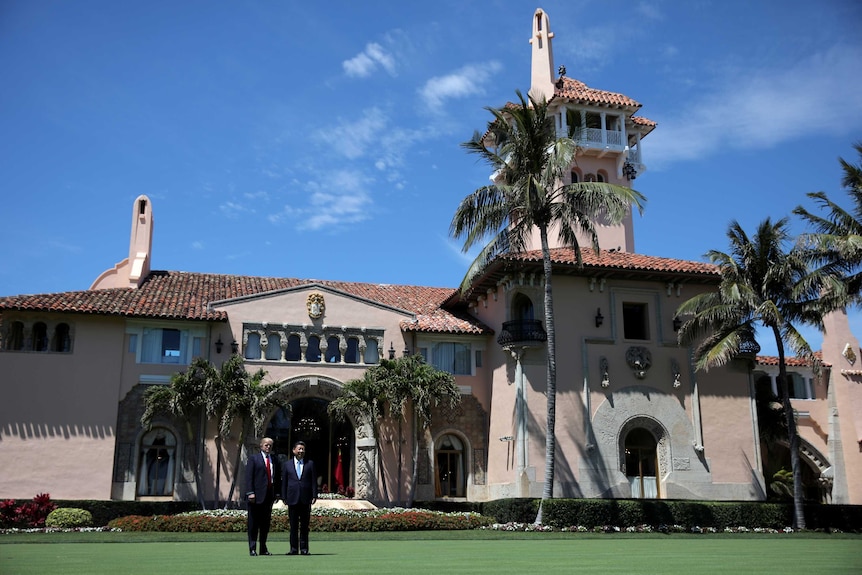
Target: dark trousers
[
  {"x": 299, "y": 515},
  {"x": 259, "y": 518}
]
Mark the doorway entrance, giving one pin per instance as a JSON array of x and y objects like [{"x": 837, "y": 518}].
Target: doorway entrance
[
  {"x": 642, "y": 464},
  {"x": 328, "y": 443}
]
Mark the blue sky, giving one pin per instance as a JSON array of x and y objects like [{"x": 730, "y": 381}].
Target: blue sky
[{"x": 321, "y": 140}]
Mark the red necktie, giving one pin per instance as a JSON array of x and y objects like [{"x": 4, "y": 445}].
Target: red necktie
[{"x": 268, "y": 470}]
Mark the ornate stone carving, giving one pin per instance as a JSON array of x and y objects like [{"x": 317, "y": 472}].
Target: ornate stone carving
[
  {"x": 603, "y": 369},
  {"x": 316, "y": 305},
  {"x": 639, "y": 359}
]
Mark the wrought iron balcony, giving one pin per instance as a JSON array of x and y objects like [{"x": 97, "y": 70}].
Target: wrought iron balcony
[{"x": 522, "y": 332}]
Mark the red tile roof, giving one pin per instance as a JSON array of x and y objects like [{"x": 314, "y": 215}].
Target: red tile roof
[
  {"x": 619, "y": 261},
  {"x": 578, "y": 92},
  {"x": 790, "y": 361},
  {"x": 187, "y": 295}
]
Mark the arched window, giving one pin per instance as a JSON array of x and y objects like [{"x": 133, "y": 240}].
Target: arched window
[
  {"x": 450, "y": 476},
  {"x": 601, "y": 177},
  {"x": 313, "y": 351},
  {"x": 522, "y": 307},
  {"x": 351, "y": 354},
  {"x": 372, "y": 355},
  {"x": 252, "y": 346},
  {"x": 575, "y": 177},
  {"x": 642, "y": 464},
  {"x": 333, "y": 352},
  {"x": 15, "y": 341},
  {"x": 62, "y": 340},
  {"x": 293, "y": 351},
  {"x": 40, "y": 336},
  {"x": 590, "y": 178},
  {"x": 157, "y": 462},
  {"x": 273, "y": 347}
]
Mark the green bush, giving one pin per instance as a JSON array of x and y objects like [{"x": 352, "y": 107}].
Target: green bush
[
  {"x": 69, "y": 517},
  {"x": 321, "y": 520},
  {"x": 518, "y": 510},
  {"x": 105, "y": 510}
]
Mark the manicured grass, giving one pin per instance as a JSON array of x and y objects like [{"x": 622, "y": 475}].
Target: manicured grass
[{"x": 432, "y": 552}]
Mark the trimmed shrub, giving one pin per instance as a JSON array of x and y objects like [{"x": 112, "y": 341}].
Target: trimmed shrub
[
  {"x": 69, "y": 518},
  {"x": 516, "y": 510}
]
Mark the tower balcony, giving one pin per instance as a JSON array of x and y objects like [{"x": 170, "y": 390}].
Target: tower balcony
[{"x": 522, "y": 333}]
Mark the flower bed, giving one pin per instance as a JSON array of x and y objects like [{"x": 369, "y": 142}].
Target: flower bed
[{"x": 391, "y": 519}]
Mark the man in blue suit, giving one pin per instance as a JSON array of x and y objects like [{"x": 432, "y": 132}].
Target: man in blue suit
[
  {"x": 261, "y": 486},
  {"x": 299, "y": 492}
]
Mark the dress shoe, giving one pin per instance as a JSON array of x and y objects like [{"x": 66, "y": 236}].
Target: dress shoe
[
  {"x": 304, "y": 552},
  {"x": 265, "y": 553},
  {"x": 253, "y": 553},
  {"x": 291, "y": 552}
]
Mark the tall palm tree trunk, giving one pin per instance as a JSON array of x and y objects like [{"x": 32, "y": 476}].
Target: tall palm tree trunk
[
  {"x": 550, "y": 437},
  {"x": 792, "y": 436}
]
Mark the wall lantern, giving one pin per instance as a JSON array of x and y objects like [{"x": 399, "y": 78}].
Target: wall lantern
[
  {"x": 629, "y": 171},
  {"x": 219, "y": 344},
  {"x": 677, "y": 323},
  {"x": 599, "y": 317},
  {"x": 234, "y": 346},
  {"x": 391, "y": 350}
]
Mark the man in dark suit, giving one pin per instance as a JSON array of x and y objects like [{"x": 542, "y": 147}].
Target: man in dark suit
[
  {"x": 261, "y": 485},
  {"x": 299, "y": 492}
]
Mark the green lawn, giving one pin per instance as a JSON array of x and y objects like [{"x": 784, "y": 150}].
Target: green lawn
[{"x": 432, "y": 552}]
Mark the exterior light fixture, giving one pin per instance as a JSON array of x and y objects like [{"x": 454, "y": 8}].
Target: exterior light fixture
[
  {"x": 234, "y": 346},
  {"x": 677, "y": 323},
  {"x": 391, "y": 350},
  {"x": 599, "y": 317},
  {"x": 406, "y": 351},
  {"x": 629, "y": 171},
  {"x": 219, "y": 344}
]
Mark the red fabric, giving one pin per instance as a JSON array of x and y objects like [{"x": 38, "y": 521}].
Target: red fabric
[{"x": 339, "y": 472}]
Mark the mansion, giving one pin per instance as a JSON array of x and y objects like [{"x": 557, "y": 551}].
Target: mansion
[{"x": 634, "y": 419}]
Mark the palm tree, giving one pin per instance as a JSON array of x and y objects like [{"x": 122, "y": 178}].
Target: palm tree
[
  {"x": 241, "y": 396},
  {"x": 409, "y": 380},
  {"x": 186, "y": 400},
  {"x": 763, "y": 282},
  {"x": 363, "y": 399},
  {"x": 528, "y": 193},
  {"x": 836, "y": 244}
]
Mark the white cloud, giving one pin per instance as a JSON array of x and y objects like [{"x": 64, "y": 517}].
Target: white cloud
[
  {"x": 760, "y": 109},
  {"x": 367, "y": 61},
  {"x": 352, "y": 138},
  {"x": 467, "y": 81},
  {"x": 197, "y": 245},
  {"x": 342, "y": 199}
]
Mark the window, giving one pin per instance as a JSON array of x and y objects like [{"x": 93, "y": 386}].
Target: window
[
  {"x": 372, "y": 355},
  {"x": 293, "y": 351},
  {"x": 351, "y": 354},
  {"x": 252, "y": 346},
  {"x": 157, "y": 463},
  {"x": 40, "y": 336},
  {"x": 171, "y": 345},
  {"x": 635, "y": 321},
  {"x": 333, "y": 352},
  {"x": 452, "y": 357},
  {"x": 62, "y": 341},
  {"x": 15, "y": 341},
  {"x": 313, "y": 351},
  {"x": 164, "y": 345},
  {"x": 575, "y": 177},
  {"x": 273, "y": 347},
  {"x": 478, "y": 358},
  {"x": 600, "y": 177},
  {"x": 799, "y": 387},
  {"x": 522, "y": 307}
]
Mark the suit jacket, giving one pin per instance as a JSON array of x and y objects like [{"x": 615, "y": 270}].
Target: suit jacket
[
  {"x": 298, "y": 490},
  {"x": 256, "y": 478}
]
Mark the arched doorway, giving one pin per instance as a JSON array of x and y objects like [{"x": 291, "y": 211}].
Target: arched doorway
[
  {"x": 326, "y": 440},
  {"x": 642, "y": 464},
  {"x": 157, "y": 463},
  {"x": 450, "y": 475}
]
